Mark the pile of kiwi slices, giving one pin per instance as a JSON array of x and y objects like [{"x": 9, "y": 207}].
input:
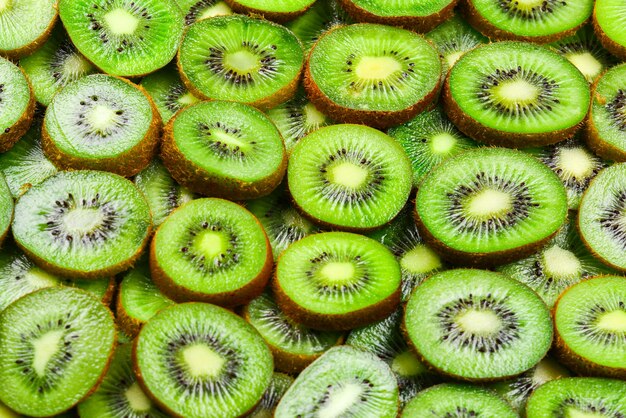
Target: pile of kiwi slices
[{"x": 313, "y": 208}]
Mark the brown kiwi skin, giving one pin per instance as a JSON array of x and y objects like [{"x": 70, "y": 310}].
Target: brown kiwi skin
[
  {"x": 109, "y": 294},
  {"x": 25, "y": 50},
  {"x": 15, "y": 132},
  {"x": 4, "y": 234},
  {"x": 130, "y": 326},
  {"x": 593, "y": 140},
  {"x": 608, "y": 43},
  {"x": 280, "y": 17}
]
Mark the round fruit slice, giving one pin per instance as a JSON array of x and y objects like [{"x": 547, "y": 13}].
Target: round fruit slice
[
  {"x": 124, "y": 38},
  {"x": 17, "y": 103},
  {"x": 56, "y": 348},
  {"x": 83, "y": 224},
  {"x": 6, "y": 208},
  {"x": 337, "y": 281},
  {"x": 27, "y": 24},
  {"x": 477, "y": 325},
  {"x": 241, "y": 59},
  {"x": 372, "y": 74},
  {"x": 201, "y": 361},
  {"x": 490, "y": 206},
  {"x": 349, "y": 177},
  {"x": 195, "y": 10},
  {"x": 609, "y": 17},
  {"x": 516, "y": 94},
  {"x": 211, "y": 250},
  {"x": 453, "y": 38},
  {"x": 319, "y": 19},
  {"x": 278, "y": 10},
  {"x": 274, "y": 393}
]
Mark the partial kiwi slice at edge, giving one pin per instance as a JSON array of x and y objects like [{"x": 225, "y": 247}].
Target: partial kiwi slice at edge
[
  {"x": 277, "y": 10},
  {"x": 6, "y": 208},
  {"x": 17, "y": 104},
  {"x": 609, "y": 17},
  {"x": 27, "y": 26}
]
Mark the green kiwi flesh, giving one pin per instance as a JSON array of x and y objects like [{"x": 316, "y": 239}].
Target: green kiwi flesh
[
  {"x": 195, "y": 10},
  {"x": 6, "y": 208},
  {"x": 453, "y": 38},
  {"x": 609, "y": 17},
  {"x": 30, "y": 23},
  {"x": 274, "y": 393},
  {"x": 278, "y": 10},
  {"x": 17, "y": 104},
  {"x": 323, "y": 16}
]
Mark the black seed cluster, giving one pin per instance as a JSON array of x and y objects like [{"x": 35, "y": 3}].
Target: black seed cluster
[
  {"x": 511, "y": 8},
  {"x": 269, "y": 64},
  {"x": 120, "y": 43},
  {"x": 610, "y": 219},
  {"x": 586, "y": 406},
  {"x": 171, "y": 97},
  {"x": 65, "y": 51},
  {"x": 222, "y": 149},
  {"x": 90, "y": 133},
  {"x": 551, "y": 158},
  {"x": 360, "y": 281},
  {"x": 617, "y": 110},
  {"x": 326, "y": 397},
  {"x": 587, "y": 327},
  {"x": 395, "y": 80},
  {"x": 223, "y": 261},
  {"x": 196, "y": 9}
]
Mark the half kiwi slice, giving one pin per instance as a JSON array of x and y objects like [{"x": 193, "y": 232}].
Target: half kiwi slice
[
  {"x": 453, "y": 38},
  {"x": 372, "y": 74},
  {"x": 274, "y": 393},
  {"x": 323, "y": 16},
  {"x": 201, "y": 361},
  {"x": 27, "y": 24},
  {"x": 124, "y": 38},
  {"x": 195, "y": 10},
  {"x": 516, "y": 94},
  {"x": 609, "y": 17},
  {"x": 278, "y": 10},
  {"x": 83, "y": 224},
  {"x": 490, "y": 206},
  {"x": 345, "y": 381},
  {"x": 17, "y": 103},
  {"x": 6, "y": 208},
  {"x": 242, "y": 59},
  {"x": 57, "y": 344},
  {"x": 337, "y": 281},
  {"x": 477, "y": 325}
]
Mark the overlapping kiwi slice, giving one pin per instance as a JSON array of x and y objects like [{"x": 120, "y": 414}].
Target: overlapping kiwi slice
[
  {"x": 198, "y": 360},
  {"x": 19, "y": 39},
  {"x": 278, "y": 10},
  {"x": 516, "y": 94},
  {"x": 345, "y": 381},
  {"x": 349, "y": 177},
  {"x": 195, "y": 10},
  {"x": 453, "y": 38},
  {"x": 242, "y": 59},
  {"x": 274, "y": 393},
  {"x": 17, "y": 104},
  {"x": 323, "y": 16},
  {"x": 477, "y": 325},
  {"x": 57, "y": 344},
  {"x": 82, "y": 224},
  {"x": 372, "y": 74},
  {"x": 167, "y": 91},
  {"x": 490, "y": 206},
  {"x": 6, "y": 208},
  {"x": 609, "y": 17}
]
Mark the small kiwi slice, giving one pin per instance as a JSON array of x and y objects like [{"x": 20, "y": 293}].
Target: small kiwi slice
[
  {"x": 477, "y": 325},
  {"x": 211, "y": 250},
  {"x": 323, "y": 16},
  {"x": 274, "y": 393},
  {"x": 372, "y": 74},
  {"x": 609, "y": 17},
  {"x": 345, "y": 382},
  {"x": 516, "y": 94},
  {"x": 490, "y": 206},
  {"x": 82, "y": 224},
  {"x": 349, "y": 177},
  {"x": 124, "y": 38},
  {"x": 457, "y": 400},
  {"x": 453, "y": 38},
  {"x": 100, "y": 122},
  {"x": 27, "y": 25},
  {"x": 224, "y": 149},
  {"x": 57, "y": 344},
  {"x": 195, "y": 10},
  {"x": 17, "y": 103},
  {"x": 337, "y": 281},
  {"x": 278, "y": 10},
  {"x": 578, "y": 397},
  {"x": 242, "y": 59},
  {"x": 6, "y": 208},
  {"x": 198, "y": 360}
]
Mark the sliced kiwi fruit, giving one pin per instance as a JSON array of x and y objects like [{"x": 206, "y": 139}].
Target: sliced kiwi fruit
[
  {"x": 278, "y": 10},
  {"x": 224, "y": 149},
  {"x": 337, "y": 281},
  {"x": 241, "y": 59},
  {"x": 211, "y": 250},
  {"x": 17, "y": 103},
  {"x": 198, "y": 360},
  {"x": 323, "y": 16},
  {"x": 82, "y": 224},
  {"x": 124, "y": 38},
  {"x": 345, "y": 381},
  {"x": 274, "y": 393},
  {"x": 195, "y": 10},
  {"x": 372, "y": 74},
  {"x": 349, "y": 177},
  {"x": 609, "y": 17},
  {"x": 578, "y": 397},
  {"x": 453, "y": 38},
  {"x": 490, "y": 206},
  {"x": 6, "y": 208},
  {"x": 516, "y": 94},
  {"x": 6, "y": 412},
  {"x": 57, "y": 344},
  {"x": 27, "y": 25},
  {"x": 477, "y": 325}
]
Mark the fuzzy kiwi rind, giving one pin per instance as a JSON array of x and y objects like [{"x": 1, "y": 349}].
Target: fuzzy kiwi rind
[
  {"x": 11, "y": 135},
  {"x": 35, "y": 44},
  {"x": 7, "y": 207},
  {"x": 280, "y": 17}
]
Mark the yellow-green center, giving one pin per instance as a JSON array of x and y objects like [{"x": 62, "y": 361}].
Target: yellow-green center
[
  {"x": 341, "y": 401},
  {"x": 575, "y": 163},
  {"x": 44, "y": 348},
  {"x": 218, "y": 9},
  {"x": 202, "y": 361},
  {"x": 217, "y": 135},
  {"x": 338, "y": 271},
  {"x": 577, "y": 413},
  {"x": 420, "y": 259},
  {"x": 488, "y": 203},
  {"x": 516, "y": 92},
  {"x": 442, "y": 143},
  {"x": 479, "y": 322},
  {"x": 187, "y": 99},
  {"x": 101, "y": 118},
  {"x": 586, "y": 64},
  {"x": 560, "y": 263},
  {"x": 4, "y": 5},
  {"x": 406, "y": 364},
  {"x": 82, "y": 220},
  {"x": 348, "y": 175},
  {"x": 211, "y": 244},
  {"x": 121, "y": 22},
  {"x": 242, "y": 61},
  {"x": 137, "y": 400},
  {"x": 614, "y": 321},
  {"x": 313, "y": 116},
  {"x": 377, "y": 68}
]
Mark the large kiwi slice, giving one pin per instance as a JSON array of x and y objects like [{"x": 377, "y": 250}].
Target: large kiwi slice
[
  {"x": 323, "y": 16},
  {"x": 27, "y": 24},
  {"x": 224, "y": 149},
  {"x": 609, "y": 17},
  {"x": 83, "y": 224},
  {"x": 17, "y": 104},
  {"x": 453, "y": 38},
  {"x": 57, "y": 344},
  {"x": 343, "y": 382},
  {"x": 195, "y": 10},
  {"x": 6, "y": 208},
  {"x": 242, "y": 59},
  {"x": 278, "y": 10},
  {"x": 477, "y": 325},
  {"x": 490, "y": 206},
  {"x": 274, "y": 393},
  {"x": 349, "y": 177},
  {"x": 124, "y": 38},
  {"x": 198, "y": 360},
  {"x": 372, "y": 74},
  {"x": 211, "y": 250},
  {"x": 516, "y": 94},
  {"x": 337, "y": 281}
]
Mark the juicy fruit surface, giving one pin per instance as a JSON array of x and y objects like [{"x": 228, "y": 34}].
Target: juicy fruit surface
[
  {"x": 282, "y": 6},
  {"x": 168, "y": 92},
  {"x": 607, "y": 110},
  {"x": 38, "y": 13},
  {"x": 453, "y": 38},
  {"x": 402, "y": 7},
  {"x": 6, "y": 207},
  {"x": 14, "y": 95},
  {"x": 139, "y": 296},
  {"x": 611, "y": 17}
]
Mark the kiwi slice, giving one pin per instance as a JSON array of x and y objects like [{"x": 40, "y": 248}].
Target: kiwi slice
[
  {"x": 278, "y": 10},
  {"x": 345, "y": 381},
  {"x": 82, "y": 224},
  {"x": 201, "y": 361},
  {"x": 54, "y": 65},
  {"x": 274, "y": 393},
  {"x": 429, "y": 139},
  {"x": 211, "y": 250},
  {"x": 490, "y": 206},
  {"x": 578, "y": 397},
  {"x": 349, "y": 177},
  {"x": 27, "y": 24},
  {"x": 241, "y": 59},
  {"x": 195, "y": 10},
  {"x": 457, "y": 400},
  {"x": 609, "y": 17},
  {"x": 372, "y": 74},
  {"x": 6, "y": 412},
  {"x": 57, "y": 344},
  {"x": 477, "y": 325},
  {"x": 6, "y": 208},
  {"x": 453, "y": 38},
  {"x": 17, "y": 103},
  {"x": 167, "y": 91},
  {"x": 224, "y": 149},
  {"x": 124, "y": 38},
  {"x": 100, "y": 122},
  {"x": 516, "y": 94},
  {"x": 323, "y": 16},
  {"x": 384, "y": 338},
  {"x": 337, "y": 281}
]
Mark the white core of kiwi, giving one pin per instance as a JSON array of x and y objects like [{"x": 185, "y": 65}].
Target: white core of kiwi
[
  {"x": 341, "y": 401},
  {"x": 44, "y": 349},
  {"x": 561, "y": 263},
  {"x": 420, "y": 259},
  {"x": 479, "y": 322},
  {"x": 121, "y": 22},
  {"x": 613, "y": 321},
  {"x": 488, "y": 203},
  {"x": 202, "y": 361},
  {"x": 348, "y": 175},
  {"x": 586, "y": 64},
  {"x": 137, "y": 399},
  {"x": 377, "y": 68}
]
